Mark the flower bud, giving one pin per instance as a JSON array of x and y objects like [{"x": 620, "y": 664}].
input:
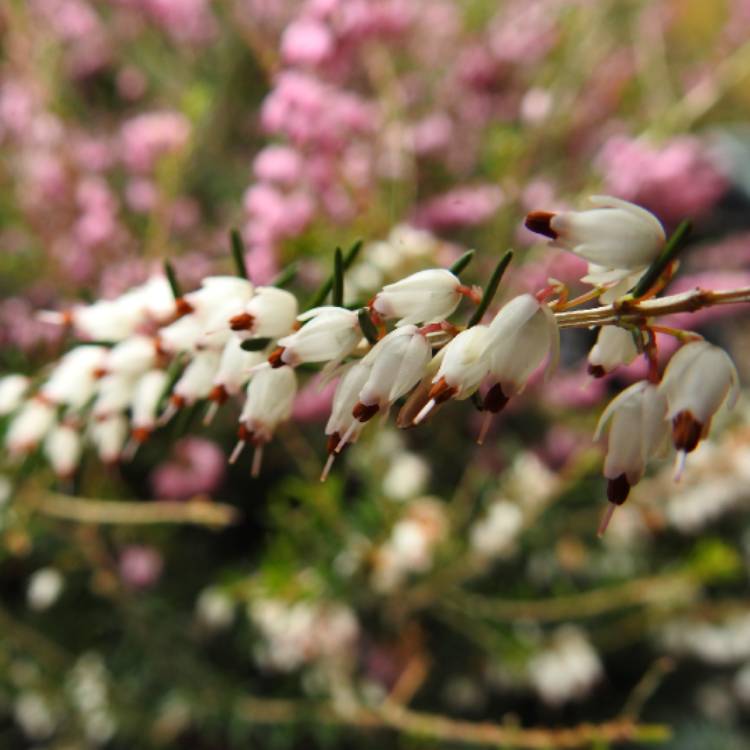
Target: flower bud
[
  {"x": 698, "y": 379},
  {"x": 424, "y": 297},
  {"x": 614, "y": 346}
]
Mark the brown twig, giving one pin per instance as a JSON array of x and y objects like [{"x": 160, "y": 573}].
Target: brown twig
[
  {"x": 197, "y": 511},
  {"x": 443, "y": 728}
]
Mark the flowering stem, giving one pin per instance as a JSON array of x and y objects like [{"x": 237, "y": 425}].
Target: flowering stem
[
  {"x": 489, "y": 292},
  {"x": 674, "y": 244},
  {"x": 238, "y": 253},
  {"x": 635, "y": 311},
  {"x": 462, "y": 262}
]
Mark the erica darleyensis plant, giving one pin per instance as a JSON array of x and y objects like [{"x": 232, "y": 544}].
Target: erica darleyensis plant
[{"x": 418, "y": 344}]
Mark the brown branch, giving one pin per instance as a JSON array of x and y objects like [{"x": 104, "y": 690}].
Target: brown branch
[
  {"x": 197, "y": 511},
  {"x": 627, "y": 311},
  {"x": 443, "y": 728}
]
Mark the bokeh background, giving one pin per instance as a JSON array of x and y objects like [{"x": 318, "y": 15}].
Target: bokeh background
[{"x": 429, "y": 573}]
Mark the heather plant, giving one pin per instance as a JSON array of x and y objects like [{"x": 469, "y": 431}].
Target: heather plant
[{"x": 297, "y": 451}]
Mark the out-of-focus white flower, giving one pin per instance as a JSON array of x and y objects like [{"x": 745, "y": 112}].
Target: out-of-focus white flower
[
  {"x": 219, "y": 292},
  {"x": 144, "y": 404},
  {"x": 34, "y": 715},
  {"x": 406, "y": 476},
  {"x": 12, "y": 391},
  {"x": 270, "y": 397},
  {"x": 132, "y": 356},
  {"x": 195, "y": 382},
  {"x": 697, "y": 381},
  {"x": 721, "y": 643},
  {"x": 637, "y": 431},
  {"x": 495, "y": 534},
  {"x": 109, "y": 436},
  {"x": 329, "y": 335},
  {"x": 567, "y": 670},
  {"x": 270, "y": 313},
  {"x": 181, "y": 336},
  {"x": 113, "y": 395},
  {"x": 424, "y": 297},
  {"x": 616, "y": 237},
  {"x": 62, "y": 447},
  {"x": 73, "y": 380},
  {"x": 29, "y": 426},
  {"x": 214, "y": 609},
  {"x": 44, "y": 589},
  {"x": 614, "y": 346}
]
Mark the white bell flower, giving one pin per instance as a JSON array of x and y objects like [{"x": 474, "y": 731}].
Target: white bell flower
[
  {"x": 109, "y": 436},
  {"x": 62, "y": 448},
  {"x": 30, "y": 425},
  {"x": 194, "y": 384},
  {"x": 132, "y": 356},
  {"x": 270, "y": 398},
  {"x": 181, "y": 336},
  {"x": 144, "y": 404},
  {"x": 521, "y": 335},
  {"x": 699, "y": 378},
  {"x": 614, "y": 346},
  {"x": 270, "y": 313},
  {"x": 329, "y": 335},
  {"x": 618, "y": 238},
  {"x": 342, "y": 421},
  {"x": 424, "y": 297},
  {"x": 218, "y": 291},
  {"x": 464, "y": 365},
  {"x": 113, "y": 394},
  {"x": 638, "y": 431},
  {"x": 73, "y": 380},
  {"x": 13, "y": 388}
]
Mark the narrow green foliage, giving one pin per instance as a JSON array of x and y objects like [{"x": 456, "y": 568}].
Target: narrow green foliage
[
  {"x": 286, "y": 276},
  {"x": 462, "y": 262},
  {"x": 255, "y": 345},
  {"x": 491, "y": 289},
  {"x": 325, "y": 288},
  {"x": 367, "y": 326},
  {"x": 673, "y": 246},
  {"x": 338, "y": 278},
  {"x": 238, "y": 253},
  {"x": 172, "y": 279}
]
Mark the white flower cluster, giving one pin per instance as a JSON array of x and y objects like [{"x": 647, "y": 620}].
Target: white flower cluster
[{"x": 229, "y": 339}]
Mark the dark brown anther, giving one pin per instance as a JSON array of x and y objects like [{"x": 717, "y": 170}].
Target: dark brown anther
[
  {"x": 540, "y": 223},
  {"x": 242, "y": 322},
  {"x": 686, "y": 431},
  {"x": 178, "y": 401},
  {"x": 275, "y": 357},
  {"x": 100, "y": 372},
  {"x": 441, "y": 392},
  {"x": 182, "y": 307},
  {"x": 618, "y": 490},
  {"x": 141, "y": 434},
  {"x": 364, "y": 412},
  {"x": 596, "y": 371},
  {"x": 333, "y": 441},
  {"x": 243, "y": 433},
  {"x": 218, "y": 394},
  {"x": 495, "y": 400}
]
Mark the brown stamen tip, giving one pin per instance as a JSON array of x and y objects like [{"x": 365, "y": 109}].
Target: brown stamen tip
[
  {"x": 100, "y": 372},
  {"x": 333, "y": 441},
  {"x": 618, "y": 490},
  {"x": 596, "y": 371},
  {"x": 275, "y": 357},
  {"x": 243, "y": 433},
  {"x": 242, "y": 322},
  {"x": 686, "y": 431},
  {"x": 178, "y": 401},
  {"x": 218, "y": 394},
  {"x": 540, "y": 222},
  {"x": 441, "y": 392},
  {"x": 364, "y": 412},
  {"x": 182, "y": 307},
  {"x": 141, "y": 434},
  {"x": 495, "y": 400}
]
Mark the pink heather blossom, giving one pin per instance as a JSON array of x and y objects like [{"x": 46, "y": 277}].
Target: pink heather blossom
[
  {"x": 140, "y": 566},
  {"x": 20, "y": 328},
  {"x": 675, "y": 181},
  {"x": 524, "y": 32},
  {"x": 147, "y": 137},
  {"x": 432, "y": 133},
  {"x": 189, "y": 21},
  {"x": 131, "y": 83},
  {"x": 460, "y": 207},
  {"x": 574, "y": 389},
  {"x": 141, "y": 194},
  {"x": 280, "y": 164},
  {"x": 197, "y": 467},
  {"x": 16, "y": 107},
  {"x": 313, "y": 401},
  {"x": 71, "y": 20},
  {"x": 306, "y": 42},
  {"x": 731, "y": 252},
  {"x": 262, "y": 263}
]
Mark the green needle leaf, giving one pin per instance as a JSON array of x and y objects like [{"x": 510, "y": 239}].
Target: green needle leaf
[
  {"x": 673, "y": 246},
  {"x": 337, "y": 297},
  {"x": 255, "y": 345},
  {"x": 327, "y": 285},
  {"x": 491, "y": 289},
  {"x": 238, "y": 253},
  {"x": 172, "y": 279},
  {"x": 462, "y": 262},
  {"x": 286, "y": 276},
  {"x": 367, "y": 326}
]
